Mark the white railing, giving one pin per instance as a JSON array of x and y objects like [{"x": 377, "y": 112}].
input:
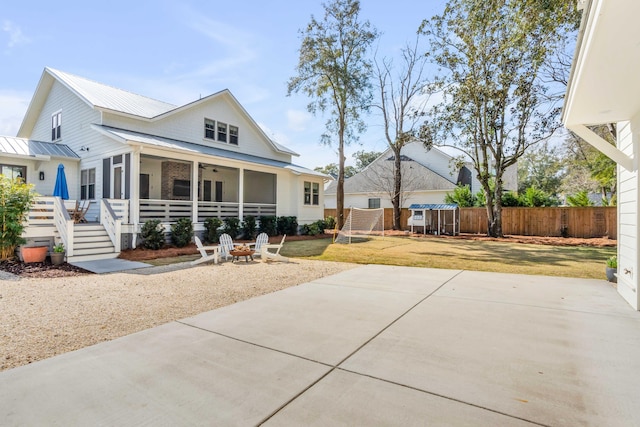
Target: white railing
[
  {"x": 259, "y": 209},
  {"x": 111, "y": 223},
  {"x": 64, "y": 224},
  {"x": 165, "y": 210},
  {"x": 217, "y": 210},
  {"x": 121, "y": 209}
]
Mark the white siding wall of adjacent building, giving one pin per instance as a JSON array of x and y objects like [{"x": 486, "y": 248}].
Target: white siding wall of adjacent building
[
  {"x": 362, "y": 200},
  {"x": 628, "y": 204},
  {"x": 50, "y": 170},
  {"x": 188, "y": 126},
  {"x": 308, "y": 213}
]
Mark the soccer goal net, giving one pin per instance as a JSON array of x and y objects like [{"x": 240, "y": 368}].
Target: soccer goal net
[{"x": 362, "y": 223}]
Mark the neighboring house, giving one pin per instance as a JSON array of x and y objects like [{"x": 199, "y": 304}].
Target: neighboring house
[
  {"x": 427, "y": 177},
  {"x": 138, "y": 159},
  {"x": 604, "y": 87}
]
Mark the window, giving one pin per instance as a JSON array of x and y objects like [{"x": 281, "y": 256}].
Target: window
[
  {"x": 209, "y": 129},
  {"x": 13, "y": 172},
  {"x": 374, "y": 203},
  {"x": 233, "y": 135},
  {"x": 316, "y": 193},
  {"x": 222, "y": 132},
  {"x": 56, "y": 125},
  {"x": 88, "y": 184},
  {"x": 311, "y": 193}
]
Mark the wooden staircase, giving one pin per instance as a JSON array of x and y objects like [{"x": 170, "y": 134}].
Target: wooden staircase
[{"x": 91, "y": 242}]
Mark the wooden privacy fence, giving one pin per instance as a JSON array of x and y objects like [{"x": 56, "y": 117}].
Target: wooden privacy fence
[{"x": 593, "y": 221}]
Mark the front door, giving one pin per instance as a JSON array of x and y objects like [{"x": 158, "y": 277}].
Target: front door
[{"x": 144, "y": 185}]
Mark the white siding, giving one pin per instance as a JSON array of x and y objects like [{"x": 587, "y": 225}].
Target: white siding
[
  {"x": 628, "y": 136},
  {"x": 188, "y": 125},
  {"x": 50, "y": 170},
  {"x": 433, "y": 159},
  {"x": 309, "y": 213},
  {"x": 362, "y": 200}
]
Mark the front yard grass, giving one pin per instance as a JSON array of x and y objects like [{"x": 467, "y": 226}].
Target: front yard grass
[{"x": 503, "y": 257}]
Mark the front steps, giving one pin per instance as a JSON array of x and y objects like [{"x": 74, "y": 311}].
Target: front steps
[{"x": 91, "y": 242}]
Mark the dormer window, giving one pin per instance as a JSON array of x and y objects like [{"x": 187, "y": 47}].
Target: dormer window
[{"x": 56, "y": 126}]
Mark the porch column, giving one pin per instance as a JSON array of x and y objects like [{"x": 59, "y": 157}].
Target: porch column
[
  {"x": 241, "y": 194},
  {"x": 194, "y": 191},
  {"x": 134, "y": 201}
]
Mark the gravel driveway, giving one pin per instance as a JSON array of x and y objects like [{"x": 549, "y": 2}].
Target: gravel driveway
[{"x": 40, "y": 318}]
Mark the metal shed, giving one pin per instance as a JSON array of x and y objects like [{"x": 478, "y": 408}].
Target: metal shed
[{"x": 435, "y": 218}]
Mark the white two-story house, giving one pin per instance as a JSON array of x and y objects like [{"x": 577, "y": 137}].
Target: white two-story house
[{"x": 137, "y": 158}]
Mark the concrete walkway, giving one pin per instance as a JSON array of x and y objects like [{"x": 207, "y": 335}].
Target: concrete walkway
[
  {"x": 377, "y": 345},
  {"x": 111, "y": 265}
]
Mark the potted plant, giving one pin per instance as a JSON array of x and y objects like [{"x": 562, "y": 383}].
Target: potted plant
[
  {"x": 33, "y": 253},
  {"x": 57, "y": 256},
  {"x": 612, "y": 268}
]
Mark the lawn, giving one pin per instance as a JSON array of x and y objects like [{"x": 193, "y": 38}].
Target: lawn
[{"x": 505, "y": 257}]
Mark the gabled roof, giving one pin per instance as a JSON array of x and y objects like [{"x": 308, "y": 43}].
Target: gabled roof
[
  {"x": 434, "y": 206},
  {"x": 127, "y": 136},
  {"x": 21, "y": 147},
  {"x": 108, "y": 98}
]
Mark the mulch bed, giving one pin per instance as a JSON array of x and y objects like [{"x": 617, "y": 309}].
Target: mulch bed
[{"x": 40, "y": 269}]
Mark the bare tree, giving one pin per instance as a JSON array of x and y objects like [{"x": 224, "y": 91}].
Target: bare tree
[{"x": 403, "y": 96}]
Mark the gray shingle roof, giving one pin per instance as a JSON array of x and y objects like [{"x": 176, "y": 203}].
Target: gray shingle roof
[
  {"x": 111, "y": 98},
  {"x": 127, "y": 135},
  {"x": 27, "y": 147}
]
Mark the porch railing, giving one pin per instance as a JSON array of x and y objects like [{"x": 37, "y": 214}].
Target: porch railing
[
  {"x": 259, "y": 209},
  {"x": 47, "y": 215},
  {"x": 120, "y": 207},
  {"x": 111, "y": 223},
  {"x": 164, "y": 210},
  {"x": 217, "y": 210}
]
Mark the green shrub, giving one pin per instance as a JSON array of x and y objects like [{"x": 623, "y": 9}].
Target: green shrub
[
  {"x": 612, "y": 262},
  {"x": 313, "y": 229},
  {"x": 182, "y": 232},
  {"x": 232, "y": 226},
  {"x": 509, "y": 199},
  {"x": 461, "y": 196},
  {"x": 152, "y": 233},
  {"x": 330, "y": 222},
  {"x": 16, "y": 198},
  {"x": 211, "y": 226},
  {"x": 268, "y": 225},
  {"x": 287, "y": 225},
  {"x": 249, "y": 227},
  {"x": 579, "y": 199}
]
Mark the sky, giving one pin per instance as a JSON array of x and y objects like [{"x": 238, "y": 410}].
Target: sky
[{"x": 179, "y": 51}]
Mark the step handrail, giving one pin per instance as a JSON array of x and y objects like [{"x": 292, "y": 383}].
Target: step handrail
[
  {"x": 111, "y": 223},
  {"x": 64, "y": 224}
]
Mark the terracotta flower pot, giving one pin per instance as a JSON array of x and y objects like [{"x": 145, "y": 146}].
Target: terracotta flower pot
[{"x": 34, "y": 253}]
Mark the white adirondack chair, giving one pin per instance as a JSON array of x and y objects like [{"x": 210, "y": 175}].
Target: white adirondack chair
[
  {"x": 226, "y": 245},
  {"x": 205, "y": 256},
  {"x": 261, "y": 240},
  {"x": 267, "y": 255}
]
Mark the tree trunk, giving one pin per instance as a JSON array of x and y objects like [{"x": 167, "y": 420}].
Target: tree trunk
[
  {"x": 340, "y": 187},
  {"x": 397, "y": 187}
]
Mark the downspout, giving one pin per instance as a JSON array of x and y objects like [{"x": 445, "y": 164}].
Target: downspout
[{"x": 602, "y": 145}]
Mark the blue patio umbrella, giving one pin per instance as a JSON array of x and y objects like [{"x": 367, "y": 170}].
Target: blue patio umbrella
[{"x": 61, "y": 190}]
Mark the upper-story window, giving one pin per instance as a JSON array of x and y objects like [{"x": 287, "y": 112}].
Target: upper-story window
[
  {"x": 56, "y": 126},
  {"x": 221, "y": 132},
  {"x": 209, "y": 129},
  {"x": 233, "y": 135}
]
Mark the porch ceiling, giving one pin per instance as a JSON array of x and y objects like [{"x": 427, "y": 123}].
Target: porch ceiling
[
  {"x": 604, "y": 86},
  {"x": 128, "y": 136}
]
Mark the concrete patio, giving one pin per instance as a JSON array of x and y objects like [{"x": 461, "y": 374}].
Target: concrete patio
[{"x": 377, "y": 345}]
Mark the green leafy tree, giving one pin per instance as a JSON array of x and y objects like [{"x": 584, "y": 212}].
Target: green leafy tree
[
  {"x": 579, "y": 199},
  {"x": 16, "y": 198},
  {"x": 333, "y": 70},
  {"x": 541, "y": 167},
  {"x": 462, "y": 196},
  {"x": 534, "y": 197},
  {"x": 497, "y": 100},
  {"x": 364, "y": 158},
  {"x": 333, "y": 170},
  {"x": 402, "y": 101}
]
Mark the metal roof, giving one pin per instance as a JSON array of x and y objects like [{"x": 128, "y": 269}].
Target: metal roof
[
  {"x": 30, "y": 148},
  {"x": 111, "y": 98},
  {"x": 131, "y": 136},
  {"x": 434, "y": 206}
]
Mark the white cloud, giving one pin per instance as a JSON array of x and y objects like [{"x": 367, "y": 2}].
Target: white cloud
[
  {"x": 297, "y": 120},
  {"x": 13, "y": 106},
  {"x": 16, "y": 37}
]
